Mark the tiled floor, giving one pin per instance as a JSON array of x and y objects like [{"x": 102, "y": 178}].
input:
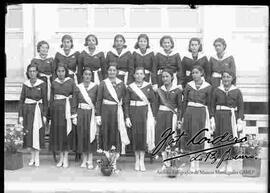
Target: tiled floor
[{"x": 49, "y": 178}]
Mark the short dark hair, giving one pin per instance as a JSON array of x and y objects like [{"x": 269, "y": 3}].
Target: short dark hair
[
  {"x": 90, "y": 35},
  {"x": 168, "y": 71},
  {"x": 62, "y": 65},
  {"x": 197, "y": 40},
  {"x": 67, "y": 37},
  {"x": 139, "y": 68},
  {"x": 222, "y": 41},
  {"x": 119, "y": 36},
  {"x": 166, "y": 37},
  {"x": 31, "y": 66},
  {"x": 198, "y": 67},
  {"x": 230, "y": 72},
  {"x": 87, "y": 68},
  {"x": 138, "y": 39},
  {"x": 39, "y": 44},
  {"x": 112, "y": 64}
]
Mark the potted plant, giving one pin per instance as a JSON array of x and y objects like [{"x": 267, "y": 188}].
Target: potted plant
[
  {"x": 251, "y": 148},
  {"x": 107, "y": 162},
  {"x": 13, "y": 142}
]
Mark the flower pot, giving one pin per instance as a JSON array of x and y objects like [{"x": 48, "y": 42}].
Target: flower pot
[
  {"x": 13, "y": 161},
  {"x": 107, "y": 171},
  {"x": 172, "y": 172}
]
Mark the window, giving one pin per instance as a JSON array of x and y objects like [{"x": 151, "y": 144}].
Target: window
[
  {"x": 73, "y": 17},
  {"x": 141, "y": 17},
  {"x": 14, "y": 17},
  {"x": 109, "y": 17},
  {"x": 180, "y": 17}
]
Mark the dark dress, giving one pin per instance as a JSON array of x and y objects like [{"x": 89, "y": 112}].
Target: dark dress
[
  {"x": 188, "y": 62},
  {"x": 195, "y": 117},
  {"x": 172, "y": 62},
  {"x": 109, "y": 129},
  {"x": 233, "y": 99},
  {"x": 84, "y": 117},
  {"x": 95, "y": 62},
  {"x": 125, "y": 63},
  {"x": 147, "y": 61},
  {"x": 173, "y": 100},
  {"x": 218, "y": 65},
  {"x": 138, "y": 115},
  {"x": 27, "y": 111},
  {"x": 71, "y": 61},
  {"x": 59, "y": 140}
]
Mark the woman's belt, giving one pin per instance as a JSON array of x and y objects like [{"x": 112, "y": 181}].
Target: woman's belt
[
  {"x": 84, "y": 106},
  {"x": 138, "y": 103},
  {"x": 108, "y": 102}
]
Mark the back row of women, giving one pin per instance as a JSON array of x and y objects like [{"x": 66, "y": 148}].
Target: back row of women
[{"x": 144, "y": 92}]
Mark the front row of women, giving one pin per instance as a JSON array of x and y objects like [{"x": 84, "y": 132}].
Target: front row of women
[{"x": 86, "y": 116}]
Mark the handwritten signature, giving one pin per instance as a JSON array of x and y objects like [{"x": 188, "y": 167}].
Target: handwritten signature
[{"x": 204, "y": 154}]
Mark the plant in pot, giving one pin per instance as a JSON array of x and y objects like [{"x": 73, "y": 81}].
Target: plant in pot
[
  {"x": 13, "y": 142},
  {"x": 107, "y": 161}
]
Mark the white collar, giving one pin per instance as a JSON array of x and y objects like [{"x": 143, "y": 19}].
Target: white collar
[
  {"x": 161, "y": 51},
  {"x": 189, "y": 55},
  {"x": 61, "y": 51},
  {"x": 204, "y": 85},
  {"x": 172, "y": 88},
  {"x": 57, "y": 80},
  {"x": 94, "y": 53},
  {"x": 117, "y": 80},
  {"x": 138, "y": 51},
  {"x": 91, "y": 85},
  {"x": 124, "y": 50},
  {"x": 143, "y": 85},
  {"x": 28, "y": 83},
  {"x": 226, "y": 55},
  {"x": 221, "y": 87},
  {"x": 38, "y": 57}
]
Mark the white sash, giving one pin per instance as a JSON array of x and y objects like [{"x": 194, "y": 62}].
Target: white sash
[
  {"x": 93, "y": 126},
  {"x": 120, "y": 115},
  {"x": 125, "y": 73},
  {"x": 96, "y": 77},
  {"x": 37, "y": 123},
  {"x": 150, "y": 125},
  {"x": 48, "y": 84},
  {"x": 74, "y": 75}
]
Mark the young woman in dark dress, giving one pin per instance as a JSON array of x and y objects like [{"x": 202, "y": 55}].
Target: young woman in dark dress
[
  {"x": 140, "y": 99},
  {"x": 32, "y": 113}
]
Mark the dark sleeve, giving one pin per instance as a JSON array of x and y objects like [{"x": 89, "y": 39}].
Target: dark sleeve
[
  {"x": 240, "y": 106},
  {"x": 185, "y": 100},
  {"x": 179, "y": 69},
  {"x": 152, "y": 100},
  {"x": 99, "y": 98},
  {"x": 210, "y": 67},
  {"x": 127, "y": 103},
  {"x": 73, "y": 105},
  {"x": 103, "y": 65},
  {"x": 233, "y": 68},
  {"x": 207, "y": 69},
  {"x": 154, "y": 69},
  {"x": 213, "y": 103},
  {"x": 44, "y": 98},
  {"x": 77, "y": 54},
  {"x": 107, "y": 59},
  {"x": 208, "y": 102},
  {"x": 50, "y": 102},
  {"x": 95, "y": 99},
  {"x": 80, "y": 67},
  {"x": 55, "y": 63},
  {"x": 179, "y": 104},
  {"x": 75, "y": 102},
  {"x": 52, "y": 67},
  {"x": 183, "y": 74},
  {"x": 131, "y": 69},
  {"x": 22, "y": 99}
]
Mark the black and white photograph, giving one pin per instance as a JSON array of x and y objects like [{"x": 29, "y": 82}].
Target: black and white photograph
[{"x": 136, "y": 98}]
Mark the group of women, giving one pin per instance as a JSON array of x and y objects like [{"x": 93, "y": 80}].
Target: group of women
[{"x": 91, "y": 101}]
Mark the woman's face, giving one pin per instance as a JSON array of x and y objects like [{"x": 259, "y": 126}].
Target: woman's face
[
  {"x": 139, "y": 75},
  {"x": 91, "y": 42},
  {"x": 227, "y": 79},
  {"x": 119, "y": 43},
  {"x": 142, "y": 43},
  {"x": 167, "y": 44},
  {"x": 219, "y": 47},
  {"x": 67, "y": 44},
  {"x": 166, "y": 78},
  {"x": 61, "y": 72},
  {"x": 32, "y": 72},
  {"x": 43, "y": 49},
  {"x": 196, "y": 74},
  {"x": 194, "y": 46},
  {"x": 112, "y": 72},
  {"x": 87, "y": 75}
]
